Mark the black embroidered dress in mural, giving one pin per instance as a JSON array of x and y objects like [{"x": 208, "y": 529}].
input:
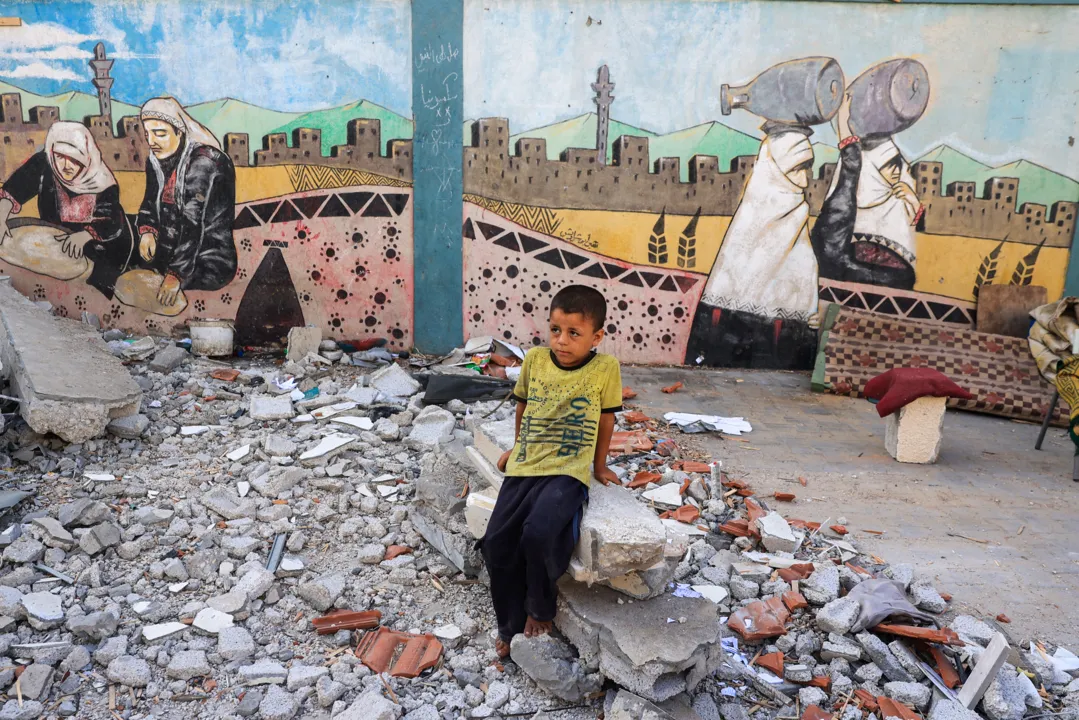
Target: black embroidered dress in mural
[
  {"x": 189, "y": 206},
  {"x": 90, "y": 202}
]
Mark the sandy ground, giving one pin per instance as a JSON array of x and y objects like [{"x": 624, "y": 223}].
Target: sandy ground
[{"x": 1017, "y": 507}]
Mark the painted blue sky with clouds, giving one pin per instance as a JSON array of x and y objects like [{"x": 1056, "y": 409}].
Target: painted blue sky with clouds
[
  {"x": 1004, "y": 81},
  {"x": 294, "y": 56}
]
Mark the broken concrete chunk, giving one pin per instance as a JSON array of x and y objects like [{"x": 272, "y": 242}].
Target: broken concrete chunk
[
  {"x": 822, "y": 587},
  {"x": 322, "y": 592},
  {"x": 129, "y": 427},
  {"x": 302, "y": 341},
  {"x": 270, "y": 407},
  {"x": 909, "y": 693},
  {"x": 212, "y": 621},
  {"x": 43, "y": 610},
  {"x": 494, "y": 438},
  {"x": 24, "y": 550},
  {"x": 394, "y": 382},
  {"x": 188, "y": 664},
  {"x": 77, "y": 406},
  {"x": 553, "y": 666},
  {"x": 99, "y": 538},
  {"x": 168, "y": 359},
  {"x": 839, "y": 615},
  {"x": 431, "y": 428},
  {"x": 95, "y": 626},
  {"x": 231, "y": 507},
  {"x": 152, "y": 633},
  {"x": 926, "y": 597},
  {"x": 628, "y": 706},
  {"x": 327, "y": 448},
  {"x": 263, "y": 672},
  {"x": 879, "y": 653},
  {"x": 776, "y": 533},
  {"x": 618, "y": 534},
  {"x": 642, "y": 651},
  {"x": 478, "y": 509},
  {"x": 129, "y": 671},
  {"x": 235, "y": 643},
  {"x": 83, "y": 513},
  {"x": 969, "y": 627}
]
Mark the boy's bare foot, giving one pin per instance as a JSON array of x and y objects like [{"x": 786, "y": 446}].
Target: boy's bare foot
[
  {"x": 535, "y": 628},
  {"x": 502, "y": 649}
]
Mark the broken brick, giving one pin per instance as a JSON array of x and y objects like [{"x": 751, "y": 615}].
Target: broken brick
[
  {"x": 693, "y": 466},
  {"x": 772, "y": 662},
  {"x": 737, "y": 527},
  {"x": 945, "y": 636},
  {"x": 783, "y": 496},
  {"x": 628, "y": 393},
  {"x": 821, "y": 681},
  {"x": 394, "y": 550},
  {"x": 625, "y": 443},
  {"x": 666, "y": 448},
  {"x": 643, "y": 478},
  {"x": 754, "y": 511},
  {"x": 946, "y": 597},
  {"x": 226, "y": 374},
  {"x": 798, "y": 571},
  {"x": 760, "y": 619},
  {"x": 401, "y": 654},
  {"x": 803, "y": 524},
  {"x": 891, "y": 708},
  {"x": 945, "y": 668},
  {"x": 346, "y": 620},
  {"x": 1003, "y": 618},
  {"x": 839, "y": 529},
  {"x": 812, "y": 712},
  {"x": 635, "y": 416},
  {"x": 685, "y": 514},
  {"x": 729, "y": 483},
  {"x": 866, "y": 699},
  {"x": 673, "y": 388},
  {"x": 794, "y": 600}
]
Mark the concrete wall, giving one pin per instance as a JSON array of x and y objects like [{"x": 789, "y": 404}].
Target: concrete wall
[
  {"x": 649, "y": 193},
  {"x": 314, "y": 120}
]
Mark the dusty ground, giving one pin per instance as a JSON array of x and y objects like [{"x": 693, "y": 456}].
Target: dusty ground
[{"x": 989, "y": 484}]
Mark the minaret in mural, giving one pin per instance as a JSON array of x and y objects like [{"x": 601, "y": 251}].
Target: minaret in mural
[
  {"x": 101, "y": 67},
  {"x": 603, "y": 87}
]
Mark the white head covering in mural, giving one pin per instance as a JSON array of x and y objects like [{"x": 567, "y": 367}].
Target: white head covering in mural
[
  {"x": 766, "y": 264},
  {"x": 169, "y": 110},
  {"x": 880, "y": 213},
  {"x": 75, "y": 141}
]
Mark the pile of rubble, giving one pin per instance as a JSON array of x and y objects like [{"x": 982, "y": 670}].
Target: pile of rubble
[{"x": 297, "y": 540}]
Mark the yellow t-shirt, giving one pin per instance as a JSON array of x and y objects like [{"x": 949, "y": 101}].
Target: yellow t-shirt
[{"x": 561, "y": 419}]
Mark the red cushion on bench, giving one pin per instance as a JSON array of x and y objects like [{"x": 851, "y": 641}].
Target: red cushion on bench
[{"x": 901, "y": 386}]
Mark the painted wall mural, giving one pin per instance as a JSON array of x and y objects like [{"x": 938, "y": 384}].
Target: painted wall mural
[
  {"x": 164, "y": 210},
  {"x": 761, "y": 166}
]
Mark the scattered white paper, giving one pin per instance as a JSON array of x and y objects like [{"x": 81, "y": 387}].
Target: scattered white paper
[
  {"x": 285, "y": 384},
  {"x": 99, "y": 477},
  {"x": 668, "y": 495},
  {"x": 296, "y": 395},
  {"x": 691, "y": 423},
  {"x": 716, "y": 594}
]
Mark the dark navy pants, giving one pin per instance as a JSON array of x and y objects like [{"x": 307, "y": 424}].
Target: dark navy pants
[{"x": 528, "y": 544}]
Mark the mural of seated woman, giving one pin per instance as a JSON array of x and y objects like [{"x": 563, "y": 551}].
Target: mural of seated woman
[
  {"x": 77, "y": 192},
  {"x": 866, "y": 229},
  {"x": 185, "y": 221}
]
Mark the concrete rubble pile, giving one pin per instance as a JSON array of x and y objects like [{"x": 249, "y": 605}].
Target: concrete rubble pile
[{"x": 179, "y": 567}]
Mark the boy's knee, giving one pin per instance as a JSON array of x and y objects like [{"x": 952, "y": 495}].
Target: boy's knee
[{"x": 536, "y": 535}]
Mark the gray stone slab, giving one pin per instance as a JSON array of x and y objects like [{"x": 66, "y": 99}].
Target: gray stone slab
[
  {"x": 70, "y": 383},
  {"x": 658, "y": 649}
]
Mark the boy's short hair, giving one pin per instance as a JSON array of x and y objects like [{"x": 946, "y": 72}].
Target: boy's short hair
[{"x": 582, "y": 300}]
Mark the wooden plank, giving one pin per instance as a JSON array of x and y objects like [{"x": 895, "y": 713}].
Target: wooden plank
[{"x": 984, "y": 672}]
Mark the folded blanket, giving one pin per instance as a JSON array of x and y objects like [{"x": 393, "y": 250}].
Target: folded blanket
[{"x": 901, "y": 386}]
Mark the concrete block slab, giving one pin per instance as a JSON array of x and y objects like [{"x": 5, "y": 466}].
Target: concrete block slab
[{"x": 914, "y": 432}]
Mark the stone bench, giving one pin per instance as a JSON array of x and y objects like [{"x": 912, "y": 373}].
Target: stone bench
[{"x": 914, "y": 433}]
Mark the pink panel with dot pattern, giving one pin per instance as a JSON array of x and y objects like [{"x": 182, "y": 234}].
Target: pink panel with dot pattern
[
  {"x": 348, "y": 251},
  {"x": 511, "y": 273}
]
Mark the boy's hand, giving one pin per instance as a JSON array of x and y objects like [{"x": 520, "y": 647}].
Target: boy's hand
[
  {"x": 605, "y": 475},
  {"x": 505, "y": 458}
]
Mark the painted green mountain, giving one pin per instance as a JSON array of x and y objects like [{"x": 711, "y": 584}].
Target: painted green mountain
[
  {"x": 228, "y": 115},
  {"x": 957, "y": 166},
  {"x": 578, "y": 132},
  {"x": 711, "y": 138},
  {"x": 1036, "y": 184},
  {"x": 334, "y": 121},
  {"x": 74, "y": 106}
]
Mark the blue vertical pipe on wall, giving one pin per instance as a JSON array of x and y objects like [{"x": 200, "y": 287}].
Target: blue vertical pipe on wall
[{"x": 438, "y": 107}]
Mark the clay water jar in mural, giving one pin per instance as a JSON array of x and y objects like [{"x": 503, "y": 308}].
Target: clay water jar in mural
[
  {"x": 797, "y": 92},
  {"x": 888, "y": 98}
]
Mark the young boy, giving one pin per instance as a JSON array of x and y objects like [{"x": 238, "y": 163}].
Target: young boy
[{"x": 566, "y": 399}]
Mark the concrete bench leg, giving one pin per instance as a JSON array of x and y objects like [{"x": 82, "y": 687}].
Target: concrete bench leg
[{"x": 915, "y": 431}]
